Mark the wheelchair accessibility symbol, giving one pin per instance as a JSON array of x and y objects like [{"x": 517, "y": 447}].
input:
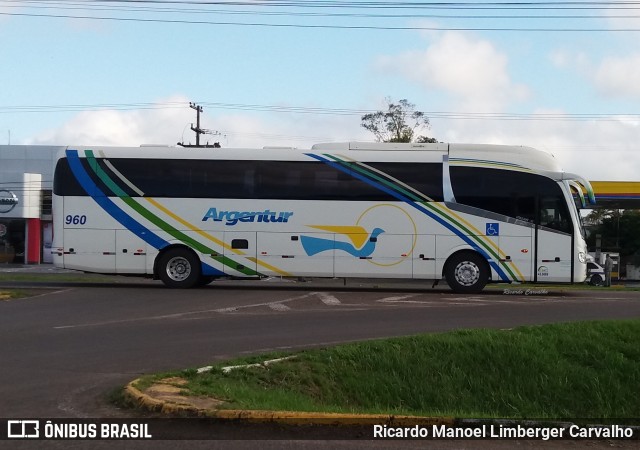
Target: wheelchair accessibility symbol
[{"x": 493, "y": 229}]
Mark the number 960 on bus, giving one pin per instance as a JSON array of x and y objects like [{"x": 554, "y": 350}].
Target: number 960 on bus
[{"x": 75, "y": 219}]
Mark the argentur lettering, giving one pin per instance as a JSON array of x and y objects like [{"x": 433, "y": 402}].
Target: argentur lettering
[{"x": 233, "y": 217}]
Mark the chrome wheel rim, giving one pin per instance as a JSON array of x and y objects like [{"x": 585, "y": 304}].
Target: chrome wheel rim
[
  {"x": 467, "y": 273},
  {"x": 178, "y": 268}
]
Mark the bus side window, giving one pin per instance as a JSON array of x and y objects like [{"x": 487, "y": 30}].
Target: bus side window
[
  {"x": 554, "y": 214},
  {"x": 512, "y": 193}
]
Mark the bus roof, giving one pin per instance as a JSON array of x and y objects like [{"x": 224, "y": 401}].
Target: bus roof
[{"x": 484, "y": 155}]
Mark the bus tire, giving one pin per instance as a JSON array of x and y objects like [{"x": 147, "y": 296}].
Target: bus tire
[
  {"x": 179, "y": 268},
  {"x": 467, "y": 272}
]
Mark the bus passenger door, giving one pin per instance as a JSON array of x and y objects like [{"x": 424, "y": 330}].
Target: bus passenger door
[
  {"x": 240, "y": 251},
  {"x": 554, "y": 241},
  {"x": 131, "y": 253},
  {"x": 553, "y": 262}
]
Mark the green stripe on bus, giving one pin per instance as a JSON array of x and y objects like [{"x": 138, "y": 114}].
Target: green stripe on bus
[
  {"x": 478, "y": 238},
  {"x": 104, "y": 177},
  {"x": 364, "y": 171},
  {"x": 394, "y": 186}
]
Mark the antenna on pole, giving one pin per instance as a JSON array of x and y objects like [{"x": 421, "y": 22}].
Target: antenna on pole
[{"x": 200, "y": 131}]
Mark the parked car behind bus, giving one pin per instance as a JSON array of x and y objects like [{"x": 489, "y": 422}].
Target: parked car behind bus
[{"x": 595, "y": 274}]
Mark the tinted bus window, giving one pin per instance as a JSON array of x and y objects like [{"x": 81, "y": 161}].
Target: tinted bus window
[
  {"x": 425, "y": 178},
  {"x": 286, "y": 180},
  {"x": 513, "y": 194}
]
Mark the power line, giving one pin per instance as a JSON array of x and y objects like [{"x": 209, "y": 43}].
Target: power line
[
  {"x": 380, "y": 5},
  {"x": 333, "y": 15},
  {"x": 258, "y": 9},
  {"x": 325, "y": 26},
  {"x": 93, "y": 107},
  {"x": 292, "y": 109},
  {"x": 128, "y": 6}
]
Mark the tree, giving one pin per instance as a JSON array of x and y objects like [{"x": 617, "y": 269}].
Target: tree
[
  {"x": 620, "y": 231},
  {"x": 597, "y": 216},
  {"x": 398, "y": 124}
]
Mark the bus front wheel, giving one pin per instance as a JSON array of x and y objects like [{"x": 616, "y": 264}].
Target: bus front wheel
[
  {"x": 179, "y": 268},
  {"x": 467, "y": 272}
]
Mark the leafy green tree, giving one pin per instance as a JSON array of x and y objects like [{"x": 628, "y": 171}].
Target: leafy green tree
[
  {"x": 398, "y": 123},
  {"x": 426, "y": 140}
]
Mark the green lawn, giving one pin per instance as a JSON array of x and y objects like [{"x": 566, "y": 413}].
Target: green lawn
[{"x": 573, "y": 370}]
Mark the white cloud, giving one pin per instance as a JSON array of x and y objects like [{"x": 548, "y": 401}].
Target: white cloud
[
  {"x": 565, "y": 59},
  {"x": 473, "y": 71},
  {"x": 171, "y": 125},
  {"x": 613, "y": 76},
  {"x": 618, "y": 76},
  {"x": 597, "y": 150},
  {"x": 601, "y": 150},
  {"x": 621, "y": 18},
  {"x": 121, "y": 128}
]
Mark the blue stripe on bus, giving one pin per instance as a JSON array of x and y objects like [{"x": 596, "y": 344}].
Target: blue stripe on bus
[
  {"x": 208, "y": 270},
  {"x": 101, "y": 199},
  {"x": 114, "y": 211},
  {"x": 410, "y": 202}
]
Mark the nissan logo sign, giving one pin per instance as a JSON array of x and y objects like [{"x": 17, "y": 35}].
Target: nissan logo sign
[{"x": 8, "y": 201}]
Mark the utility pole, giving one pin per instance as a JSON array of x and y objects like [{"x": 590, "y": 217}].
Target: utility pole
[{"x": 199, "y": 130}]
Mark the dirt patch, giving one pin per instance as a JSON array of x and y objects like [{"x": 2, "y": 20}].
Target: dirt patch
[{"x": 171, "y": 390}]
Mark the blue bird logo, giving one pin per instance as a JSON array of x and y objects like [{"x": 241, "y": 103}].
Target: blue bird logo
[{"x": 360, "y": 243}]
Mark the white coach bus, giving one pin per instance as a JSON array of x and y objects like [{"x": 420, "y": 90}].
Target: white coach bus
[{"x": 472, "y": 214}]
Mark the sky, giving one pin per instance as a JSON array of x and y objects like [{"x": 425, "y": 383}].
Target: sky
[{"x": 559, "y": 76}]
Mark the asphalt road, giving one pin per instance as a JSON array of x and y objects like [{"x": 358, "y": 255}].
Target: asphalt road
[{"x": 68, "y": 346}]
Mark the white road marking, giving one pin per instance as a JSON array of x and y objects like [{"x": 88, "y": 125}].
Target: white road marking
[
  {"x": 396, "y": 299},
  {"x": 268, "y": 304},
  {"x": 327, "y": 299},
  {"x": 182, "y": 315},
  {"x": 52, "y": 293},
  {"x": 279, "y": 307},
  {"x": 331, "y": 300}
]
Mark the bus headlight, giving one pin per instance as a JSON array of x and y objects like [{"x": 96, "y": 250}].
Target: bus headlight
[{"x": 582, "y": 257}]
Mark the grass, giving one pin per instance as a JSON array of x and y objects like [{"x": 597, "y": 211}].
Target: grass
[
  {"x": 12, "y": 294},
  {"x": 574, "y": 370}
]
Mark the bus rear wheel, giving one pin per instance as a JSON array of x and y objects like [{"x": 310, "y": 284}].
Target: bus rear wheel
[
  {"x": 179, "y": 268},
  {"x": 467, "y": 272}
]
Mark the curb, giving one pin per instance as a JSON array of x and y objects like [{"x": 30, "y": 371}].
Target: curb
[
  {"x": 149, "y": 403},
  {"x": 295, "y": 418}
]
